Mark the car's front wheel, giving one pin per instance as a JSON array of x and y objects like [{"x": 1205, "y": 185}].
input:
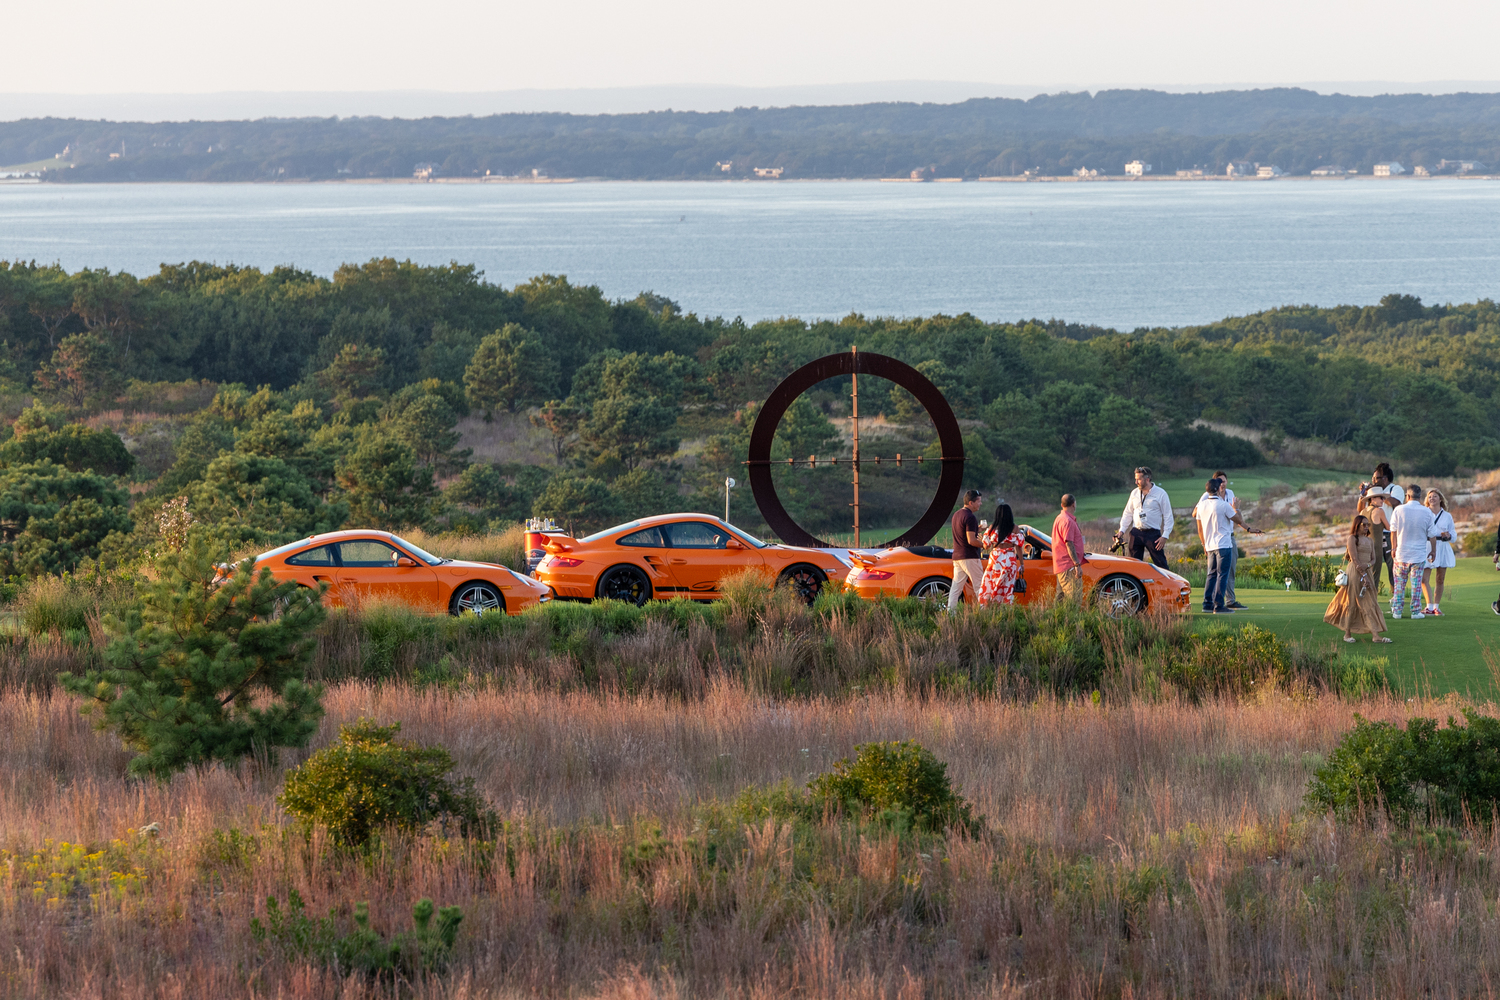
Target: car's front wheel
[
  {"x": 624, "y": 583},
  {"x": 805, "y": 580},
  {"x": 1120, "y": 596},
  {"x": 476, "y": 598},
  {"x": 934, "y": 588}
]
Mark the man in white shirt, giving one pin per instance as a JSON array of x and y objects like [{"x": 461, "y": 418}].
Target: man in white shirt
[
  {"x": 1147, "y": 519},
  {"x": 1214, "y": 516},
  {"x": 1411, "y": 524},
  {"x": 1230, "y": 600}
]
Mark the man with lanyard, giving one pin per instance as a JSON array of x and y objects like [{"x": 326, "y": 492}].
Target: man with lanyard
[
  {"x": 968, "y": 570},
  {"x": 1230, "y": 600},
  {"x": 1147, "y": 519}
]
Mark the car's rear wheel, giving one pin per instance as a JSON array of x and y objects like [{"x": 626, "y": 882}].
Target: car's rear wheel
[
  {"x": 1120, "y": 596},
  {"x": 805, "y": 580},
  {"x": 624, "y": 583},
  {"x": 478, "y": 598},
  {"x": 934, "y": 588}
]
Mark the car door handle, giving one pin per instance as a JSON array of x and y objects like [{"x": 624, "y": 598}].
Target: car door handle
[{"x": 679, "y": 562}]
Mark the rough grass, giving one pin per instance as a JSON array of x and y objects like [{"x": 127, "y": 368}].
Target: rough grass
[{"x": 1130, "y": 850}]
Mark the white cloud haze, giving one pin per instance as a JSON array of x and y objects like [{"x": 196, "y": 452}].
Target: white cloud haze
[{"x": 176, "y": 46}]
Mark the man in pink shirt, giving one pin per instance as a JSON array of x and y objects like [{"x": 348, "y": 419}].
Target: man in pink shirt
[{"x": 1067, "y": 550}]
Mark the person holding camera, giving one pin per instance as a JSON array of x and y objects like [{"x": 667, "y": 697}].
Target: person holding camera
[{"x": 1146, "y": 523}]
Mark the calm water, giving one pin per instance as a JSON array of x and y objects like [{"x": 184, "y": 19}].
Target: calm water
[{"x": 1122, "y": 255}]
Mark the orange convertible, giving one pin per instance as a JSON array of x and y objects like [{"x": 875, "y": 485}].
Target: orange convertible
[
  {"x": 359, "y": 565},
  {"x": 677, "y": 555},
  {"x": 1121, "y": 586}
]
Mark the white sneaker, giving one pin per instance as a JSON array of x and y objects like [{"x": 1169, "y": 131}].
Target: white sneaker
[
  {"x": 1418, "y": 614},
  {"x": 1397, "y": 614}
]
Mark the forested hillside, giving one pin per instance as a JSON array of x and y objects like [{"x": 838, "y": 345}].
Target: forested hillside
[
  {"x": 1295, "y": 129},
  {"x": 272, "y": 404}
]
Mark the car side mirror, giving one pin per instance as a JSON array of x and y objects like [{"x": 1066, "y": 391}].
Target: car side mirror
[
  {"x": 734, "y": 543},
  {"x": 406, "y": 562}
]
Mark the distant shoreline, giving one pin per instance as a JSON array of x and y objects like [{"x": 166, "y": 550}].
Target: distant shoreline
[{"x": 769, "y": 182}]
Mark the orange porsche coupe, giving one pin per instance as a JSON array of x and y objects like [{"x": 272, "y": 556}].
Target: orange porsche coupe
[
  {"x": 677, "y": 555},
  {"x": 1122, "y": 586},
  {"x": 361, "y": 565}
]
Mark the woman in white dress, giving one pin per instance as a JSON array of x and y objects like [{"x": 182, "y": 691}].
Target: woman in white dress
[{"x": 1444, "y": 531}]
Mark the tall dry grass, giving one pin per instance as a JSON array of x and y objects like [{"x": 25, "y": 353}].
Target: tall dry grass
[
  {"x": 506, "y": 547},
  {"x": 1132, "y": 850}
]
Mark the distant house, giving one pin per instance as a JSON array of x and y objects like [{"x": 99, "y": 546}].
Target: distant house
[
  {"x": 1420, "y": 171},
  {"x": 1085, "y": 172},
  {"x": 1239, "y": 168},
  {"x": 724, "y": 165},
  {"x": 1392, "y": 169},
  {"x": 424, "y": 171},
  {"x": 1194, "y": 174},
  {"x": 1270, "y": 171},
  {"x": 1332, "y": 170},
  {"x": 771, "y": 172},
  {"x": 1459, "y": 166},
  {"x": 1135, "y": 168}
]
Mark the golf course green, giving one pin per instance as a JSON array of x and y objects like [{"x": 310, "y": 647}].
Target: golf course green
[{"x": 1434, "y": 654}]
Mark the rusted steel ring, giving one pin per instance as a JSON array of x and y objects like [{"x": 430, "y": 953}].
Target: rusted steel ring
[{"x": 833, "y": 366}]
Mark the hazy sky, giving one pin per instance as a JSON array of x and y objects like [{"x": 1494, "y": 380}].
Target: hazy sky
[{"x": 109, "y": 46}]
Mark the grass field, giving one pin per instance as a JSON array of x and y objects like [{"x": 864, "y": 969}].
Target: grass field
[
  {"x": 1185, "y": 489},
  {"x": 1441, "y": 654}
]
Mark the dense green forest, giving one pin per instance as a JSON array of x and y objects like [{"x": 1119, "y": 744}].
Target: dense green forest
[
  {"x": 1295, "y": 129},
  {"x": 266, "y": 405}
]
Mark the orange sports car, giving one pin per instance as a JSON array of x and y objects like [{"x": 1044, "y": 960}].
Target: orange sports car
[
  {"x": 1121, "y": 585},
  {"x": 359, "y": 565},
  {"x": 677, "y": 555}
]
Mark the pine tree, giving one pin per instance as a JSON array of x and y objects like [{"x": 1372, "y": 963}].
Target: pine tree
[{"x": 208, "y": 668}]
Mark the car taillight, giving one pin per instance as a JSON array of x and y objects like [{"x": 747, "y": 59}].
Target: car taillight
[
  {"x": 874, "y": 574},
  {"x": 562, "y": 562}
]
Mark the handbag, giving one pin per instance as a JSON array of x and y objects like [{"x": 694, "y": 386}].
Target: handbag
[{"x": 1342, "y": 578}]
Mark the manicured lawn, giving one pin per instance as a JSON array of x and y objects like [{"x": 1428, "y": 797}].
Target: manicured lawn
[
  {"x": 1187, "y": 488},
  {"x": 1441, "y": 654}
]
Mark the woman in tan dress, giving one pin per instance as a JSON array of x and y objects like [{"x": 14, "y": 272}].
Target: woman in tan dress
[{"x": 1354, "y": 608}]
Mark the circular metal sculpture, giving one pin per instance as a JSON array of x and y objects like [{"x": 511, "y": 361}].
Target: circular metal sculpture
[{"x": 855, "y": 364}]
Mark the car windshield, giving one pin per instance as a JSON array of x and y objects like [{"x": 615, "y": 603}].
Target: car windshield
[
  {"x": 282, "y": 550},
  {"x": 608, "y": 531},
  {"x": 426, "y": 557},
  {"x": 1041, "y": 536},
  {"x": 747, "y": 538}
]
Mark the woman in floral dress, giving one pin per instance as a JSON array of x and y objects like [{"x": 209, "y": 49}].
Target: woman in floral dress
[{"x": 1003, "y": 540}]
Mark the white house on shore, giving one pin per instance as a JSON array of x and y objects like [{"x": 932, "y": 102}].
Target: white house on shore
[
  {"x": 1270, "y": 171},
  {"x": 1392, "y": 169},
  {"x": 1135, "y": 168}
]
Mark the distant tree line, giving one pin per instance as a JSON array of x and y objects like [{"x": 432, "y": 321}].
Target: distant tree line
[
  {"x": 1297, "y": 130},
  {"x": 271, "y": 404}
]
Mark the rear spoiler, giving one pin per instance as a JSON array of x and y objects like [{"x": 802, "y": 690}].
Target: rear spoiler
[{"x": 559, "y": 543}]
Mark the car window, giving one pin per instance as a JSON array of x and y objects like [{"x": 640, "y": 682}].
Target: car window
[
  {"x": 647, "y": 538},
  {"x": 695, "y": 535},
  {"x": 320, "y": 556},
  {"x": 366, "y": 552}
]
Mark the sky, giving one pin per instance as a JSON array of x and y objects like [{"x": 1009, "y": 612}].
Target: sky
[{"x": 191, "y": 47}]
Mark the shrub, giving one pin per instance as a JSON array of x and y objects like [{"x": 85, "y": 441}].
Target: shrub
[
  {"x": 1479, "y": 543},
  {"x": 298, "y": 936},
  {"x": 369, "y": 780},
  {"x": 901, "y": 782},
  {"x": 207, "y": 667},
  {"x": 1420, "y": 771}
]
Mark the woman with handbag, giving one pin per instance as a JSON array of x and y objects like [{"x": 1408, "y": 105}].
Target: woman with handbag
[
  {"x": 1003, "y": 541},
  {"x": 1354, "y": 608}
]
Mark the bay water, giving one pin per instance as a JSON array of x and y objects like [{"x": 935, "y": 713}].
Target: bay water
[{"x": 1115, "y": 254}]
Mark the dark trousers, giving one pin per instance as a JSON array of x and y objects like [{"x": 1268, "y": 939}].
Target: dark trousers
[
  {"x": 1217, "y": 563},
  {"x": 1390, "y": 569},
  {"x": 1142, "y": 541}
]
